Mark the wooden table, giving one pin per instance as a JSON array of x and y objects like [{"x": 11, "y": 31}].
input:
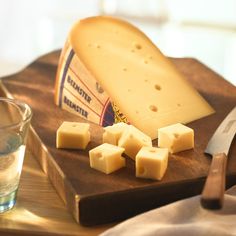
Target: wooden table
[{"x": 39, "y": 210}]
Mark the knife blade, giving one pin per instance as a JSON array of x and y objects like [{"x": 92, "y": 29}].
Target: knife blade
[{"x": 218, "y": 147}]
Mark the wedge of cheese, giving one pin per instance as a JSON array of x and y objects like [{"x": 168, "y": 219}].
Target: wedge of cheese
[{"x": 108, "y": 61}]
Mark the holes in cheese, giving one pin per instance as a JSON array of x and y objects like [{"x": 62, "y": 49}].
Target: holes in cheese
[
  {"x": 90, "y": 65},
  {"x": 98, "y": 155},
  {"x": 73, "y": 135},
  {"x": 176, "y": 135},
  {"x": 113, "y": 133},
  {"x": 132, "y": 140},
  {"x": 153, "y": 108},
  {"x": 111, "y": 158},
  {"x": 140, "y": 170},
  {"x": 151, "y": 162},
  {"x": 137, "y": 46},
  {"x": 176, "y": 138},
  {"x": 157, "y": 87}
]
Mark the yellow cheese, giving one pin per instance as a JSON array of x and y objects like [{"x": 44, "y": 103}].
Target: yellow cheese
[
  {"x": 176, "y": 138},
  {"x": 132, "y": 140},
  {"x": 151, "y": 162},
  {"x": 73, "y": 135},
  {"x": 107, "y": 59},
  {"x": 113, "y": 133},
  {"x": 106, "y": 158}
]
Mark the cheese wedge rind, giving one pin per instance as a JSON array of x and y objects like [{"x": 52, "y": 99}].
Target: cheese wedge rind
[{"x": 134, "y": 74}]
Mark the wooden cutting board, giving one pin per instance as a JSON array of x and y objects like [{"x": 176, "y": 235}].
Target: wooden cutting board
[{"x": 93, "y": 197}]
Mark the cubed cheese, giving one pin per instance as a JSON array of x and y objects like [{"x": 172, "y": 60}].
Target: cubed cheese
[
  {"x": 113, "y": 133},
  {"x": 73, "y": 135},
  {"x": 132, "y": 140},
  {"x": 106, "y": 158},
  {"x": 176, "y": 138},
  {"x": 151, "y": 162}
]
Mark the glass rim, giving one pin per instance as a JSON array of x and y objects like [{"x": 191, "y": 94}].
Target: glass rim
[{"x": 17, "y": 103}]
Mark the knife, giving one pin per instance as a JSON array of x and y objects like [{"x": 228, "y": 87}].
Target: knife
[{"x": 218, "y": 147}]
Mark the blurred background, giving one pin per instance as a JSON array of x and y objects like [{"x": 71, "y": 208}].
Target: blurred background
[{"x": 203, "y": 29}]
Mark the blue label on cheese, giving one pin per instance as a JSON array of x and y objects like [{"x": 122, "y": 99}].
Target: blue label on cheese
[
  {"x": 79, "y": 93},
  {"x": 78, "y": 89},
  {"x": 75, "y": 107}
]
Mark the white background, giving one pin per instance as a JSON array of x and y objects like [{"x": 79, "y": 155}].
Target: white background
[{"x": 204, "y": 29}]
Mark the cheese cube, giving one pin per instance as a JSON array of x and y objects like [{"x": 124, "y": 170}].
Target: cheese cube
[
  {"x": 151, "y": 162},
  {"x": 106, "y": 158},
  {"x": 113, "y": 133},
  {"x": 176, "y": 138},
  {"x": 132, "y": 140},
  {"x": 73, "y": 135}
]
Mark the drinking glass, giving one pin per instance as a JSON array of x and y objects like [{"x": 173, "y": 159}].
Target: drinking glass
[{"x": 15, "y": 119}]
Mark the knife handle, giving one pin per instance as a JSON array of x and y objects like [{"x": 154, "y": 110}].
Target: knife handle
[{"x": 213, "y": 191}]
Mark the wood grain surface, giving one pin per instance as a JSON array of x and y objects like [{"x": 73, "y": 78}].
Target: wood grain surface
[
  {"x": 39, "y": 210},
  {"x": 213, "y": 192},
  {"x": 95, "y": 198}
]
